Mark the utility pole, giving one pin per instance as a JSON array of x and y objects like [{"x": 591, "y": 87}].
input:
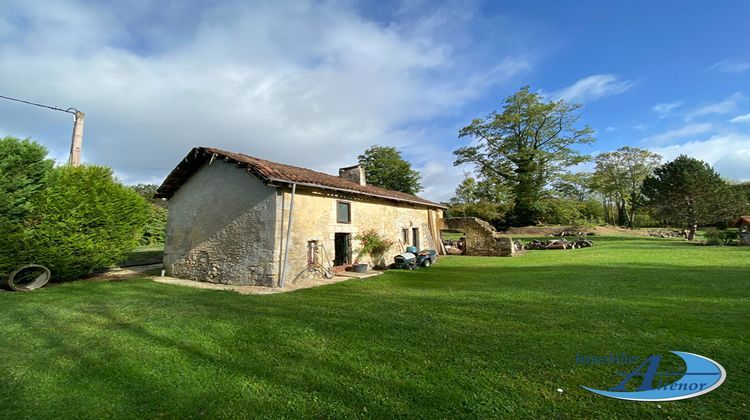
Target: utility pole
[{"x": 77, "y": 141}]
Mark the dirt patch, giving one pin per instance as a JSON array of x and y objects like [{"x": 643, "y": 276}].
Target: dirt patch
[{"x": 123, "y": 273}]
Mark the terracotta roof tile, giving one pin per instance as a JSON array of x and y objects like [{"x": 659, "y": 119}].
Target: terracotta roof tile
[{"x": 279, "y": 173}]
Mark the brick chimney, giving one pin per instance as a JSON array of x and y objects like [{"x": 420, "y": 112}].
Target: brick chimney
[{"x": 353, "y": 173}]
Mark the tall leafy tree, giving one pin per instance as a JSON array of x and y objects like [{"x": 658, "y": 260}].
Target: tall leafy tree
[
  {"x": 384, "y": 167},
  {"x": 524, "y": 147},
  {"x": 575, "y": 186},
  {"x": 690, "y": 193},
  {"x": 483, "y": 199},
  {"x": 619, "y": 177}
]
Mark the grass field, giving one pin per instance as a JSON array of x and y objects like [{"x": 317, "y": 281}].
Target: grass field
[{"x": 470, "y": 337}]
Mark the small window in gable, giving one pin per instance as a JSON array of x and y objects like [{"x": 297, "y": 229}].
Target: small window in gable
[{"x": 343, "y": 212}]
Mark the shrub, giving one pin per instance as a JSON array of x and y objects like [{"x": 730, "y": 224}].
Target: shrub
[
  {"x": 565, "y": 211},
  {"x": 155, "y": 228},
  {"x": 714, "y": 236},
  {"x": 730, "y": 236},
  {"x": 373, "y": 245},
  {"x": 86, "y": 221},
  {"x": 24, "y": 171}
]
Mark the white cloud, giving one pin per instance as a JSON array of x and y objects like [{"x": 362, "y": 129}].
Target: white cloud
[
  {"x": 640, "y": 127},
  {"x": 593, "y": 87},
  {"x": 609, "y": 129},
  {"x": 664, "y": 109},
  {"x": 298, "y": 82},
  {"x": 686, "y": 131},
  {"x": 741, "y": 119},
  {"x": 730, "y": 66},
  {"x": 728, "y": 154},
  {"x": 722, "y": 107}
]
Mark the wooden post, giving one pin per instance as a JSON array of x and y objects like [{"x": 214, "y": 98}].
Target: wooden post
[{"x": 76, "y": 143}]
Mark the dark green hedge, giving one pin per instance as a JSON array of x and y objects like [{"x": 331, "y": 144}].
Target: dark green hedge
[
  {"x": 24, "y": 171},
  {"x": 155, "y": 229},
  {"x": 74, "y": 220}
]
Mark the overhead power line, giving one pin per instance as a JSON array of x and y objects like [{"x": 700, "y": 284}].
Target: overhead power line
[
  {"x": 69, "y": 110},
  {"x": 76, "y": 142}
]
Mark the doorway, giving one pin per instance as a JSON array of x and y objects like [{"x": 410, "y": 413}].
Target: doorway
[
  {"x": 415, "y": 238},
  {"x": 342, "y": 245}
]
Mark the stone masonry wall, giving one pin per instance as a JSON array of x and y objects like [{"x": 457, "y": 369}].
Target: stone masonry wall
[
  {"x": 315, "y": 219},
  {"x": 221, "y": 228}
]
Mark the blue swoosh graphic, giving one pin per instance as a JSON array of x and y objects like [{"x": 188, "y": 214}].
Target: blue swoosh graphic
[{"x": 703, "y": 375}]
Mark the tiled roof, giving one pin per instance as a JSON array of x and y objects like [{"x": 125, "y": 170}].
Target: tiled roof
[
  {"x": 743, "y": 220},
  {"x": 277, "y": 173}
]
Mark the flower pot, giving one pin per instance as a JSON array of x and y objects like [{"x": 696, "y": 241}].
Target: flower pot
[{"x": 360, "y": 268}]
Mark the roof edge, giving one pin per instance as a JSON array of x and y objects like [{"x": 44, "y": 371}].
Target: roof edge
[{"x": 200, "y": 155}]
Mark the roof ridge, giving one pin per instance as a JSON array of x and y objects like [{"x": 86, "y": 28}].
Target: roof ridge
[{"x": 282, "y": 172}]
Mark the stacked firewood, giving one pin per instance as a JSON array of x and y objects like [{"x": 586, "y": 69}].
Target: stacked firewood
[
  {"x": 667, "y": 233},
  {"x": 563, "y": 233},
  {"x": 559, "y": 244}
]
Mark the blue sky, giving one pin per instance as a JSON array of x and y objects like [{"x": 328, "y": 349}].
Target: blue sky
[{"x": 315, "y": 83}]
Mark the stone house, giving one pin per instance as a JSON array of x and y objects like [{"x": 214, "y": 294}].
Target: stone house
[{"x": 230, "y": 215}]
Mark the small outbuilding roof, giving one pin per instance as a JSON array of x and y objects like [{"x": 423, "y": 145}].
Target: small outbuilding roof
[
  {"x": 742, "y": 220},
  {"x": 277, "y": 173}
]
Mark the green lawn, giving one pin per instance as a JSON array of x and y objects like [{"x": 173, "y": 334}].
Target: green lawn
[{"x": 470, "y": 337}]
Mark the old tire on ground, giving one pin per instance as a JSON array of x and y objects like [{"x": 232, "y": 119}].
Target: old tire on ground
[{"x": 18, "y": 280}]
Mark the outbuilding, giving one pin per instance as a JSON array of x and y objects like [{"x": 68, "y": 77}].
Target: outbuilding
[
  {"x": 743, "y": 225},
  {"x": 230, "y": 216}
]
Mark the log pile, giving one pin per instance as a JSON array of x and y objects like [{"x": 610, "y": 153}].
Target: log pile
[
  {"x": 559, "y": 244},
  {"x": 563, "y": 233},
  {"x": 667, "y": 233}
]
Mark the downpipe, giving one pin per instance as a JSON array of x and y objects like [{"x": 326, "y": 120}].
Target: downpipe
[{"x": 282, "y": 279}]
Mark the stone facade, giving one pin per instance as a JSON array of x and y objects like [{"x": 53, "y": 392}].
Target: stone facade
[
  {"x": 221, "y": 228},
  {"x": 225, "y": 226},
  {"x": 315, "y": 220}
]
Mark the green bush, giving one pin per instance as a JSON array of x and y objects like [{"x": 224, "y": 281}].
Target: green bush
[
  {"x": 714, "y": 236},
  {"x": 155, "y": 229},
  {"x": 373, "y": 245},
  {"x": 24, "y": 171},
  {"x": 86, "y": 221},
  {"x": 565, "y": 211}
]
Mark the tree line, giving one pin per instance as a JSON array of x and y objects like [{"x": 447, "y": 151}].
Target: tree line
[{"x": 520, "y": 157}]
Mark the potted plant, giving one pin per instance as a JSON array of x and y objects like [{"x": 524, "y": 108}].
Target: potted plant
[{"x": 373, "y": 245}]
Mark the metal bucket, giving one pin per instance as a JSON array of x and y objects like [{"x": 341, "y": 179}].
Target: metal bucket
[{"x": 359, "y": 268}]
